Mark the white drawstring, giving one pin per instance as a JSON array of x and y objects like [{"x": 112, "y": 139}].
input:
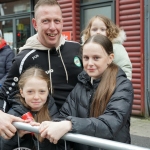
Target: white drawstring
[
  {"x": 50, "y": 76},
  {"x": 18, "y": 140},
  {"x": 65, "y": 145},
  {"x": 63, "y": 65},
  {"x": 38, "y": 142}
]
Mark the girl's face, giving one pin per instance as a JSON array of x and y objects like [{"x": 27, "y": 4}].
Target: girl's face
[
  {"x": 95, "y": 59},
  {"x": 98, "y": 27},
  {"x": 35, "y": 93}
]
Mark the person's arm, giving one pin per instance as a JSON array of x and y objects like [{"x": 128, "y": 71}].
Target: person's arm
[
  {"x": 10, "y": 85},
  {"x": 8, "y": 64},
  {"x": 53, "y": 131},
  {"x": 105, "y": 126},
  {"x": 114, "y": 118},
  {"x": 7, "y": 130},
  {"x": 122, "y": 59},
  {"x": 62, "y": 126}
]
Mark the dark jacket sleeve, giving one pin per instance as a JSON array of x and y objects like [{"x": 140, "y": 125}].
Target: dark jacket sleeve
[
  {"x": 10, "y": 84},
  {"x": 8, "y": 64},
  {"x": 107, "y": 125}
]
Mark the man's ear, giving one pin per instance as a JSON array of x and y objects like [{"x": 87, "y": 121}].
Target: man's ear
[
  {"x": 34, "y": 23},
  {"x": 21, "y": 92}
]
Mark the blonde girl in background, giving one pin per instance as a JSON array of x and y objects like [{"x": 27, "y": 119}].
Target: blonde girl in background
[{"x": 102, "y": 25}]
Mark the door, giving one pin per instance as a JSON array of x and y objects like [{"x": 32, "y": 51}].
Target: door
[{"x": 15, "y": 31}]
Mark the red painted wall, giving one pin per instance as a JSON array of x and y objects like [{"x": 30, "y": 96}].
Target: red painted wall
[
  {"x": 130, "y": 16},
  {"x": 71, "y": 17}
]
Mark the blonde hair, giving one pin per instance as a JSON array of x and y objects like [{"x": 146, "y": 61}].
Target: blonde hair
[
  {"x": 43, "y": 113},
  {"x": 112, "y": 30}
]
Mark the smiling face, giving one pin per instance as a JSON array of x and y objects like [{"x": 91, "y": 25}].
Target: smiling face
[
  {"x": 98, "y": 27},
  {"x": 95, "y": 59},
  {"x": 48, "y": 23},
  {"x": 35, "y": 92}
]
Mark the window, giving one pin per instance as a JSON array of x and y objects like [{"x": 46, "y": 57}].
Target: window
[
  {"x": 15, "y": 7},
  {"x": 91, "y": 8}
]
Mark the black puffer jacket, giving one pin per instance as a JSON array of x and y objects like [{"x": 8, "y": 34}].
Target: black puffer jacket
[
  {"x": 114, "y": 124},
  {"x": 28, "y": 140},
  {"x": 6, "y": 57}
]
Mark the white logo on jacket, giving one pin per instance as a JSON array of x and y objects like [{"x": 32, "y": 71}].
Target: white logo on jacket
[
  {"x": 48, "y": 71},
  {"x": 36, "y": 56}
]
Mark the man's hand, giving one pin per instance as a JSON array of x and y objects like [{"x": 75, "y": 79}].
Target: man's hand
[
  {"x": 53, "y": 131},
  {"x": 7, "y": 130}
]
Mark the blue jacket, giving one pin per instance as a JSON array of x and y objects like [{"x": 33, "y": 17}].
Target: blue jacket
[{"x": 6, "y": 57}]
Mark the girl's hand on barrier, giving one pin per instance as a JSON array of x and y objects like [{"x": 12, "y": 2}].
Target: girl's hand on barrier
[{"x": 53, "y": 131}]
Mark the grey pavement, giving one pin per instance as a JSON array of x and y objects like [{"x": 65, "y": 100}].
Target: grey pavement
[{"x": 140, "y": 131}]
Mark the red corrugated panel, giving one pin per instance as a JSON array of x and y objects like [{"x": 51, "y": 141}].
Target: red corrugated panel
[
  {"x": 129, "y": 16},
  {"x": 71, "y": 17}
]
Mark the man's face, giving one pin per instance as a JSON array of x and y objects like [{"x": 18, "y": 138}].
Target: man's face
[{"x": 48, "y": 24}]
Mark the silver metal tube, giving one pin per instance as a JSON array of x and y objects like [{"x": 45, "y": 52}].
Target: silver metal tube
[{"x": 84, "y": 139}]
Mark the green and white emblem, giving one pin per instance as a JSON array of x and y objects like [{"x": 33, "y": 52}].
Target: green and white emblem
[{"x": 77, "y": 61}]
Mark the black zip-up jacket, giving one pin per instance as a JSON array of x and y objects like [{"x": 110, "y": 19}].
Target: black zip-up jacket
[
  {"x": 51, "y": 61},
  {"x": 113, "y": 124},
  {"x": 28, "y": 140}
]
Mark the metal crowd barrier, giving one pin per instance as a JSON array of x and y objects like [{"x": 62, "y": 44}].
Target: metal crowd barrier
[{"x": 84, "y": 139}]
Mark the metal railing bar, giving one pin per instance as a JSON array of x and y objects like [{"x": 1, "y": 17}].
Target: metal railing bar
[{"x": 84, "y": 139}]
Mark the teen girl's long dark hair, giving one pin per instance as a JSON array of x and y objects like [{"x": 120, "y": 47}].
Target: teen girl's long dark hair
[{"x": 107, "y": 84}]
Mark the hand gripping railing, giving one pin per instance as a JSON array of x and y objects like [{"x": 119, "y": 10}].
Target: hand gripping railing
[{"x": 84, "y": 139}]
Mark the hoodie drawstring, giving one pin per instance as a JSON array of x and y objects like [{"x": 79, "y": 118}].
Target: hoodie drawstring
[
  {"x": 50, "y": 76},
  {"x": 49, "y": 63},
  {"x": 65, "y": 145},
  {"x": 18, "y": 140},
  {"x": 63, "y": 65}
]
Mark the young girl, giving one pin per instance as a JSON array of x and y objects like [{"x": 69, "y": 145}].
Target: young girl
[
  {"x": 34, "y": 86},
  {"x": 102, "y": 25},
  {"x": 100, "y": 104}
]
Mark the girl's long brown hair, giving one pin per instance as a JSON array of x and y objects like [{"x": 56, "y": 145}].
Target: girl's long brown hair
[
  {"x": 104, "y": 91},
  {"x": 43, "y": 113},
  {"x": 107, "y": 84}
]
